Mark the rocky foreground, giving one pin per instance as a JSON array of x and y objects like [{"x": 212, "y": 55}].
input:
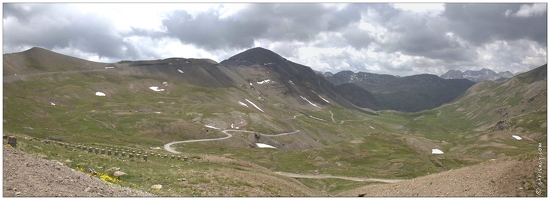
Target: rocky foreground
[{"x": 26, "y": 175}]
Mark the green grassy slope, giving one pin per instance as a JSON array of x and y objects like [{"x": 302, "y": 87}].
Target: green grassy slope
[{"x": 332, "y": 139}]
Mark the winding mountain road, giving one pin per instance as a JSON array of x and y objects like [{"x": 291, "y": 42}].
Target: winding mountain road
[{"x": 171, "y": 150}]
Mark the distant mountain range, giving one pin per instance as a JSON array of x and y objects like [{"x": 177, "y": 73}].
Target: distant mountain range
[
  {"x": 478, "y": 76},
  {"x": 411, "y": 93}
]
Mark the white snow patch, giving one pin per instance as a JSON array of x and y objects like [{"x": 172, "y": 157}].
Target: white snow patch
[
  {"x": 179, "y": 70},
  {"x": 264, "y": 81},
  {"x": 250, "y": 84},
  {"x": 53, "y": 104},
  {"x": 208, "y": 126},
  {"x": 371, "y": 127},
  {"x": 320, "y": 96},
  {"x": 243, "y": 104},
  {"x": 437, "y": 151},
  {"x": 317, "y": 118},
  {"x": 101, "y": 94},
  {"x": 156, "y": 89},
  {"x": 158, "y": 112},
  {"x": 517, "y": 137},
  {"x": 165, "y": 83},
  {"x": 109, "y": 67},
  {"x": 262, "y": 145},
  {"x": 254, "y": 105},
  {"x": 289, "y": 81},
  {"x": 186, "y": 61},
  {"x": 309, "y": 102}
]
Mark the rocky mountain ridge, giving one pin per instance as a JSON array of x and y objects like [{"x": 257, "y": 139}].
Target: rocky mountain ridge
[{"x": 478, "y": 75}]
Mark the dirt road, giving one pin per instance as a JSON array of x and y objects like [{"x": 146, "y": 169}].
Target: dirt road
[
  {"x": 338, "y": 177},
  {"x": 168, "y": 147}
]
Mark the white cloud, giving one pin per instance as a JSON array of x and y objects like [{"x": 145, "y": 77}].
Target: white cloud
[
  {"x": 425, "y": 8},
  {"x": 527, "y": 10}
]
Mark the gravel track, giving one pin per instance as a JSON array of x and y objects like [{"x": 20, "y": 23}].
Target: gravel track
[{"x": 168, "y": 147}]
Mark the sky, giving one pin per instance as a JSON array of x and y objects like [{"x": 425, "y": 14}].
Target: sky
[{"x": 384, "y": 38}]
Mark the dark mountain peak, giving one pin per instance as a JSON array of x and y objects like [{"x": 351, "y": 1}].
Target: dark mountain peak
[
  {"x": 257, "y": 55},
  {"x": 37, "y": 49}
]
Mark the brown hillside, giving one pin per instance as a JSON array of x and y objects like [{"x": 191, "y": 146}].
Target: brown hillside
[
  {"x": 496, "y": 178},
  {"x": 36, "y": 60}
]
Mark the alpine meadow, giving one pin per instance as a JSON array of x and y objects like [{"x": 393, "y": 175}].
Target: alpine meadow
[{"x": 205, "y": 127}]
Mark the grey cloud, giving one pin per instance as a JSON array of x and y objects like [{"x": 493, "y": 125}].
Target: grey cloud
[
  {"x": 484, "y": 23},
  {"x": 207, "y": 31},
  {"x": 358, "y": 38},
  {"x": 420, "y": 35},
  {"x": 275, "y": 22},
  {"x": 55, "y": 26}
]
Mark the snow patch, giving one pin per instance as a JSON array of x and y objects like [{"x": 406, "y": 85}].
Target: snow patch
[
  {"x": 517, "y": 137},
  {"x": 165, "y": 83},
  {"x": 109, "y": 67},
  {"x": 250, "y": 84},
  {"x": 208, "y": 126},
  {"x": 371, "y": 127},
  {"x": 320, "y": 96},
  {"x": 437, "y": 151},
  {"x": 243, "y": 104},
  {"x": 264, "y": 81},
  {"x": 254, "y": 105},
  {"x": 101, "y": 94},
  {"x": 158, "y": 112},
  {"x": 179, "y": 70},
  {"x": 156, "y": 89},
  {"x": 309, "y": 102},
  {"x": 262, "y": 145},
  {"x": 53, "y": 104}
]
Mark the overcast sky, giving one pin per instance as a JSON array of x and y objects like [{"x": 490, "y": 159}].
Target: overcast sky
[{"x": 383, "y": 38}]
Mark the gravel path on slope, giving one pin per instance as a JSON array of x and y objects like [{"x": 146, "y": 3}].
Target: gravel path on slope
[{"x": 26, "y": 175}]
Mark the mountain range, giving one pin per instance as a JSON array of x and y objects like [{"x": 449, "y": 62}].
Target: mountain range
[
  {"x": 478, "y": 76},
  {"x": 411, "y": 93}
]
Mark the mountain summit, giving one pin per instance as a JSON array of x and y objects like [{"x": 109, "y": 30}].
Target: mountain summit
[
  {"x": 292, "y": 80},
  {"x": 256, "y": 55}
]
